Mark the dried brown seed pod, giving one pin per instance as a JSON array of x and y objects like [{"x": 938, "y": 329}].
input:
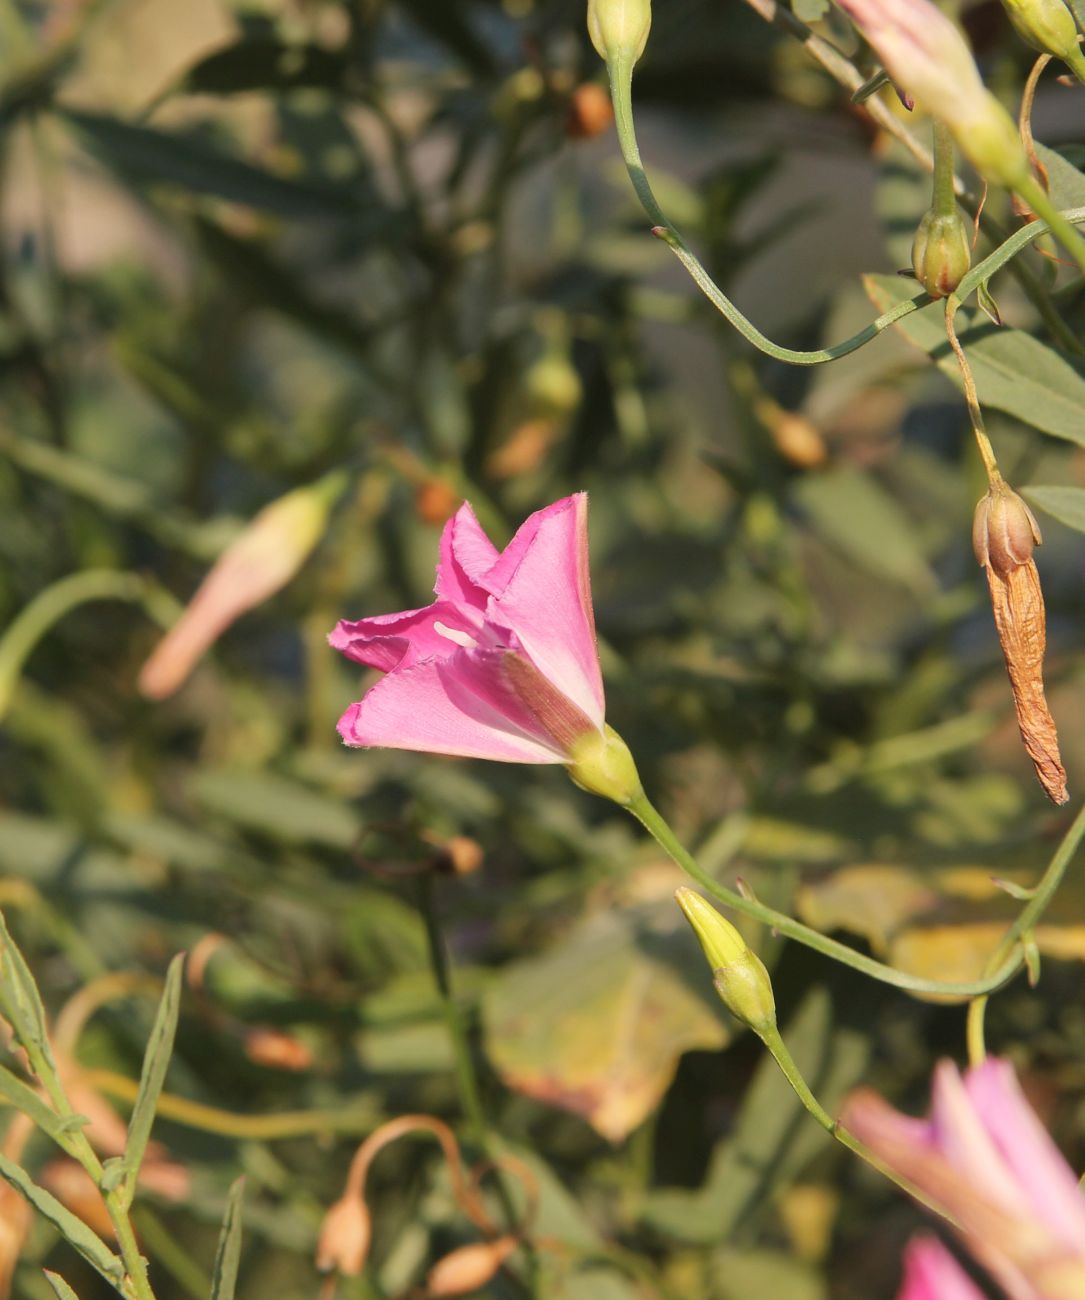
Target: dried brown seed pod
[
  {"x": 345, "y": 1234},
  {"x": 1004, "y": 534},
  {"x": 468, "y": 1268}
]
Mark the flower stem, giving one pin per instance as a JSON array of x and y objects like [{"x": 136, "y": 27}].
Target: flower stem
[
  {"x": 971, "y": 397},
  {"x": 1025, "y": 922},
  {"x": 1038, "y": 200},
  {"x": 943, "y": 193},
  {"x": 1011, "y": 960},
  {"x": 621, "y": 87},
  {"x": 783, "y": 1058}
]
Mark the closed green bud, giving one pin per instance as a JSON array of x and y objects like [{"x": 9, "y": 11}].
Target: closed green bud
[
  {"x": 738, "y": 973},
  {"x": 1048, "y": 26},
  {"x": 941, "y": 251},
  {"x": 619, "y": 27}
]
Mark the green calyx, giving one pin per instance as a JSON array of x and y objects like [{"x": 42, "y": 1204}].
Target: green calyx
[
  {"x": 600, "y": 762},
  {"x": 942, "y": 251},
  {"x": 619, "y": 28}
]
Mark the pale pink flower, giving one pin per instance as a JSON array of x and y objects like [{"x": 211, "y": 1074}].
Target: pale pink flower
[
  {"x": 930, "y": 62},
  {"x": 503, "y": 664},
  {"x": 262, "y": 559},
  {"x": 986, "y": 1161},
  {"x": 931, "y": 1273}
]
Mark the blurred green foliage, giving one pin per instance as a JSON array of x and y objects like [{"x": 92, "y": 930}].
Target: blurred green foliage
[{"x": 244, "y": 244}]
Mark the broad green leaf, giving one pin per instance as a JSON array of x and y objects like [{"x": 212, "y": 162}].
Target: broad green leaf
[
  {"x": 276, "y": 806},
  {"x": 858, "y": 516},
  {"x": 155, "y": 1064},
  {"x": 74, "y": 1230},
  {"x": 224, "y": 1276},
  {"x": 21, "y": 1003},
  {"x": 31, "y": 1103},
  {"x": 596, "y": 1024},
  {"x": 746, "y": 1273},
  {"x": 1014, "y": 372},
  {"x": 1066, "y": 504},
  {"x": 148, "y": 155},
  {"x": 61, "y": 1289},
  {"x": 773, "y": 1137},
  {"x": 1066, "y": 182}
]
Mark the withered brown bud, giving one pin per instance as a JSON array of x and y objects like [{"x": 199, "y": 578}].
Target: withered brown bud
[
  {"x": 345, "y": 1234},
  {"x": 1004, "y": 534},
  {"x": 1004, "y": 530},
  {"x": 468, "y": 1268}
]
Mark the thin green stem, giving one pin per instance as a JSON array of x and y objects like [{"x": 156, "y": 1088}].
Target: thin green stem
[
  {"x": 943, "y": 194},
  {"x": 1022, "y": 926},
  {"x": 653, "y": 822},
  {"x": 621, "y": 84},
  {"x": 781, "y": 1055},
  {"x": 463, "y": 1056}
]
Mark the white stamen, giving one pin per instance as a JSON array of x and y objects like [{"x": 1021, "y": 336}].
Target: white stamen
[{"x": 454, "y": 634}]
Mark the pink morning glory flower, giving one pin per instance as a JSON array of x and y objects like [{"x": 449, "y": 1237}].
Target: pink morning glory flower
[
  {"x": 986, "y": 1162},
  {"x": 931, "y": 1273},
  {"x": 503, "y": 664}
]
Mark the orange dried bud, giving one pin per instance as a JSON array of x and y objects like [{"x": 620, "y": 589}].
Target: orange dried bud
[
  {"x": 345, "y": 1234},
  {"x": 277, "y": 1050},
  {"x": 1004, "y": 534},
  {"x": 468, "y": 1268},
  {"x": 590, "y": 112},
  {"x": 436, "y": 501}
]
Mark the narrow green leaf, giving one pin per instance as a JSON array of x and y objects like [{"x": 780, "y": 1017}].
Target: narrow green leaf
[
  {"x": 156, "y": 1061},
  {"x": 21, "y": 1002},
  {"x": 1014, "y": 372},
  {"x": 265, "y": 64},
  {"x": 31, "y": 1103},
  {"x": 224, "y": 1277},
  {"x": 987, "y": 302},
  {"x": 1066, "y": 504},
  {"x": 73, "y": 1230},
  {"x": 144, "y": 154},
  {"x": 60, "y": 1288}
]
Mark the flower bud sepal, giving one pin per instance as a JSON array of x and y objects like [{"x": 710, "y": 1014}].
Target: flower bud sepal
[
  {"x": 942, "y": 251},
  {"x": 601, "y": 763}
]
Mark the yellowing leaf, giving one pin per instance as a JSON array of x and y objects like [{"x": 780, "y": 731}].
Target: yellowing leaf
[
  {"x": 597, "y": 1024},
  {"x": 869, "y": 900}
]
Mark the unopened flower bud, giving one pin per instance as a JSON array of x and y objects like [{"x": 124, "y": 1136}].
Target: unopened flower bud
[
  {"x": 739, "y": 974},
  {"x": 263, "y": 558},
  {"x": 468, "y": 1268},
  {"x": 941, "y": 251},
  {"x": 600, "y": 762},
  {"x": 619, "y": 28},
  {"x": 590, "y": 112},
  {"x": 1004, "y": 531},
  {"x": 343, "y": 1243},
  {"x": 1048, "y": 26}
]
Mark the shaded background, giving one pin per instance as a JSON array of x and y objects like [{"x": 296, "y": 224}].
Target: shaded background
[{"x": 244, "y": 245}]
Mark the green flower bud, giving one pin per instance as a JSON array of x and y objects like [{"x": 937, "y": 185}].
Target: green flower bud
[
  {"x": 600, "y": 762},
  {"x": 619, "y": 27},
  {"x": 941, "y": 251},
  {"x": 739, "y": 974},
  {"x": 1048, "y": 26}
]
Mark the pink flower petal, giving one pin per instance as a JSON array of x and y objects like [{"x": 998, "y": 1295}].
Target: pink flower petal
[
  {"x": 932, "y": 1273},
  {"x": 388, "y": 641},
  {"x": 466, "y": 556},
  {"x": 544, "y": 596},
  {"x": 1028, "y": 1151},
  {"x": 431, "y": 707},
  {"x": 967, "y": 1143}
]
